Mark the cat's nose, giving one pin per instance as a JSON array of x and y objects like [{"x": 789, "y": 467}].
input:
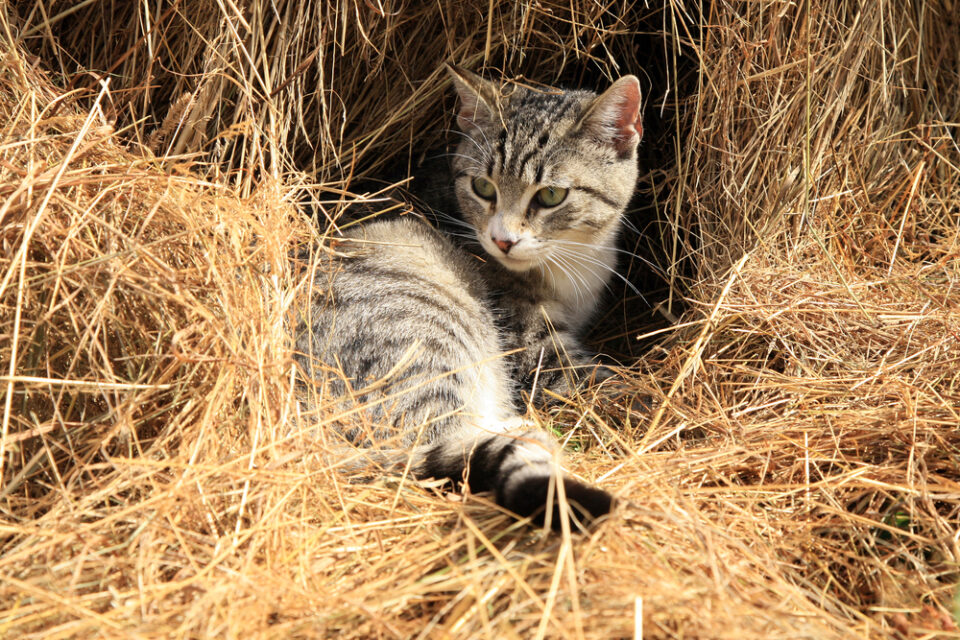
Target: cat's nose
[{"x": 503, "y": 244}]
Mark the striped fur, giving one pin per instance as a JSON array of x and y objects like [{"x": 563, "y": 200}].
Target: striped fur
[
  {"x": 434, "y": 344},
  {"x": 549, "y": 285}
]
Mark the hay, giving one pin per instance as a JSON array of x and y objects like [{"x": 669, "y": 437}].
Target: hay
[{"x": 799, "y": 475}]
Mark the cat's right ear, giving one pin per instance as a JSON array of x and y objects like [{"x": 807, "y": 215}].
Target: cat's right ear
[{"x": 478, "y": 98}]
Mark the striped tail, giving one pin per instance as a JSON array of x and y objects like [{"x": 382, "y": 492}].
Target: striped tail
[{"x": 522, "y": 472}]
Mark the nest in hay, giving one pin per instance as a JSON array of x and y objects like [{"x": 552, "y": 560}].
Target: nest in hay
[{"x": 795, "y": 241}]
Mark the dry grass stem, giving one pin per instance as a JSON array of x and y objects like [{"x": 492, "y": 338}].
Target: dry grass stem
[{"x": 786, "y": 453}]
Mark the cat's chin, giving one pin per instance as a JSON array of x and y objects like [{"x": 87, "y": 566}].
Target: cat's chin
[{"x": 519, "y": 266}]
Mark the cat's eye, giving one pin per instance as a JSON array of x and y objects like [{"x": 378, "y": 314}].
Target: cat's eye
[
  {"x": 551, "y": 196},
  {"x": 484, "y": 188}
]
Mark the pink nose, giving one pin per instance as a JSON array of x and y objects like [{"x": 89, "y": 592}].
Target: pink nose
[{"x": 503, "y": 244}]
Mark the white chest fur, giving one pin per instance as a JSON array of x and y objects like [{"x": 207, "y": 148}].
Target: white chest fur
[{"x": 577, "y": 282}]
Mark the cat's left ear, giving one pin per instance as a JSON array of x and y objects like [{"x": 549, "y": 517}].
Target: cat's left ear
[
  {"x": 478, "y": 98},
  {"x": 613, "y": 118}
]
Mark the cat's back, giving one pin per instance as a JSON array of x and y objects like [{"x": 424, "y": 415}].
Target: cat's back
[{"x": 399, "y": 292}]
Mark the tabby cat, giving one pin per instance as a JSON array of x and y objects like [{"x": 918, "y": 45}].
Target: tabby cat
[{"x": 434, "y": 344}]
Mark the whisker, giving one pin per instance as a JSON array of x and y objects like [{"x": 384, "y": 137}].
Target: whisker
[
  {"x": 470, "y": 138},
  {"x": 478, "y": 162},
  {"x": 574, "y": 275},
  {"x": 652, "y": 266},
  {"x": 586, "y": 259},
  {"x": 579, "y": 257},
  {"x": 573, "y": 257},
  {"x": 628, "y": 223},
  {"x": 467, "y": 135},
  {"x": 453, "y": 219},
  {"x": 553, "y": 260},
  {"x": 455, "y": 234}
]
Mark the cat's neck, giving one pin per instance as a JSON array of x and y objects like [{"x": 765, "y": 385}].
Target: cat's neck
[{"x": 572, "y": 288}]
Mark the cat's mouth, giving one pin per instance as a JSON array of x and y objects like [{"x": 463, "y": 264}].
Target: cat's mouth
[{"x": 510, "y": 260}]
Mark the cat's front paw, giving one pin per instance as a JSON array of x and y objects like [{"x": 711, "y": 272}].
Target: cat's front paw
[{"x": 582, "y": 504}]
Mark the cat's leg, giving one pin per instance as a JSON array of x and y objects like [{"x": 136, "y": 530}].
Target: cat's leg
[
  {"x": 555, "y": 358},
  {"x": 520, "y": 466}
]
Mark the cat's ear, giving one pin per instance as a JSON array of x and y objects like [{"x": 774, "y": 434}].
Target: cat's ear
[
  {"x": 478, "y": 98},
  {"x": 613, "y": 118}
]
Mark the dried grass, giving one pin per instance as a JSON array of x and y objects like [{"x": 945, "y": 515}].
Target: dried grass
[{"x": 799, "y": 477}]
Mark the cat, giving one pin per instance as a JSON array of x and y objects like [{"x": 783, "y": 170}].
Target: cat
[{"x": 433, "y": 343}]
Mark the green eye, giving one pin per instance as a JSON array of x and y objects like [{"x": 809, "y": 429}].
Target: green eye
[
  {"x": 484, "y": 188},
  {"x": 551, "y": 196}
]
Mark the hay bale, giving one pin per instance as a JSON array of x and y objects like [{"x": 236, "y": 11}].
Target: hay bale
[{"x": 800, "y": 201}]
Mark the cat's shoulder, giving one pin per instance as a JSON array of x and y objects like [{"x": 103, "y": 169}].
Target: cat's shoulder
[
  {"x": 414, "y": 245},
  {"x": 409, "y": 227}
]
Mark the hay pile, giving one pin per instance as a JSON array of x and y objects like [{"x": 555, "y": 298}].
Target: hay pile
[{"x": 800, "y": 476}]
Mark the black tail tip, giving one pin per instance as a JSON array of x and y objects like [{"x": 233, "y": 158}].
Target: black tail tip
[{"x": 584, "y": 502}]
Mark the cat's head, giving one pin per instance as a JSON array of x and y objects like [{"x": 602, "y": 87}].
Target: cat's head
[{"x": 541, "y": 173}]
